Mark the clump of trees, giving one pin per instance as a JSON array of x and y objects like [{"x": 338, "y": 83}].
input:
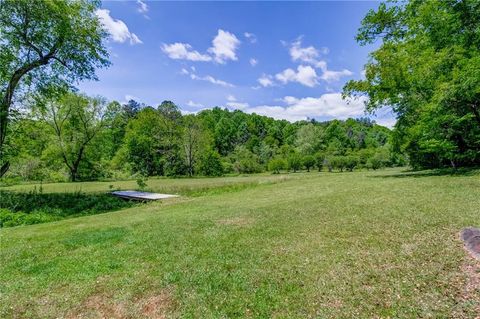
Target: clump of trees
[
  {"x": 428, "y": 70},
  {"x": 77, "y": 137}
]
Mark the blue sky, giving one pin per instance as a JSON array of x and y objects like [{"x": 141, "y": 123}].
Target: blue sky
[{"x": 281, "y": 59}]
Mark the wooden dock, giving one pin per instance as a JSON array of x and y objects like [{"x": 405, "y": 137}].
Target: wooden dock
[{"x": 135, "y": 195}]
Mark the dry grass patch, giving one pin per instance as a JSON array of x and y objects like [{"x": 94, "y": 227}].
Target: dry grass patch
[
  {"x": 471, "y": 288},
  {"x": 158, "y": 306},
  {"x": 101, "y": 305},
  {"x": 236, "y": 221}
]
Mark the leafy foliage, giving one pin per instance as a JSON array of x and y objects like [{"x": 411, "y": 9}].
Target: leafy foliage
[
  {"x": 37, "y": 207},
  {"x": 428, "y": 70},
  {"x": 45, "y": 46}
]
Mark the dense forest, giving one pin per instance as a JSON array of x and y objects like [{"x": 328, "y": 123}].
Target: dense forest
[{"x": 82, "y": 138}]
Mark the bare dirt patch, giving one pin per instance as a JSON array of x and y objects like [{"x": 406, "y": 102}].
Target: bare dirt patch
[
  {"x": 104, "y": 306},
  {"x": 158, "y": 306},
  {"x": 100, "y": 306},
  {"x": 235, "y": 221}
]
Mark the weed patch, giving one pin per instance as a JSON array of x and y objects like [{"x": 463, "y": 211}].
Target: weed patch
[{"x": 36, "y": 207}]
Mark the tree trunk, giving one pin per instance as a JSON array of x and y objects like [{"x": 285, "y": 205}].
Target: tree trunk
[
  {"x": 4, "y": 108},
  {"x": 453, "y": 164},
  {"x": 73, "y": 174},
  {"x": 6, "y": 102}
]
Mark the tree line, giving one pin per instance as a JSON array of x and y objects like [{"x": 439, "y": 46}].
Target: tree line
[
  {"x": 78, "y": 137},
  {"x": 427, "y": 69}
]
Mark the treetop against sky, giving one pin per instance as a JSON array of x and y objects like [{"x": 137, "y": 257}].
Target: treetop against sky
[{"x": 285, "y": 60}]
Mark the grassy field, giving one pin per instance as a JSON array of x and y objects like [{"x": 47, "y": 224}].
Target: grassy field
[
  {"x": 325, "y": 245},
  {"x": 183, "y": 186}
]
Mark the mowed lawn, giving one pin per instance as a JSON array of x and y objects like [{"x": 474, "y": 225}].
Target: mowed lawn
[{"x": 326, "y": 245}]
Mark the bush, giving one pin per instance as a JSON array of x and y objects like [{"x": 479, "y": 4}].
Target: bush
[
  {"x": 338, "y": 162},
  {"x": 35, "y": 207},
  {"x": 294, "y": 162},
  {"x": 309, "y": 161},
  {"x": 211, "y": 164},
  {"x": 245, "y": 161},
  {"x": 374, "y": 163},
  {"x": 351, "y": 162},
  {"x": 276, "y": 165},
  {"x": 247, "y": 165},
  {"x": 9, "y": 218}
]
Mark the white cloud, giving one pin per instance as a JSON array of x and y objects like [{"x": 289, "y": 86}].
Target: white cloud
[
  {"x": 388, "y": 122},
  {"x": 142, "y": 6},
  {"x": 194, "y": 104},
  {"x": 308, "y": 54},
  {"x": 224, "y": 46},
  {"x": 253, "y": 61},
  {"x": 330, "y": 76},
  {"x": 207, "y": 78},
  {"x": 231, "y": 98},
  {"x": 211, "y": 79},
  {"x": 117, "y": 29},
  {"x": 183, "y": 51},
  {"x": 327, "y": 105},
  {"x": 305, "y": 75},
  {"x": 311, "y": 55},
  {"x": 266, "y": 80},
  {"x": 237, "y": 105},
  {"x": 251, "y": 37}
]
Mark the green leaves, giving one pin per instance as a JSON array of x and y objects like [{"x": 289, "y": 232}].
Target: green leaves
[{"x": 428, "y": 70}]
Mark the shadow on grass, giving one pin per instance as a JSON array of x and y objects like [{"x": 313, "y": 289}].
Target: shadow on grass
[
  {"x": 35, "y": 207},
  {"x": 433, "y": 172}
]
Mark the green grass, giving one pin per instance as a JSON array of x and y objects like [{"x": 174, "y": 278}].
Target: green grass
[
  {"x": 183, "y": 186},
  {"x": 325, "y": 245}
]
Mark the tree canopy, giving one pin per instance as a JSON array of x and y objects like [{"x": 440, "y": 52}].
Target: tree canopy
[
  {"x": 83, "y": 138},
  {"x": 45, "y": 46},
  {"x": 427, "y": 69}
]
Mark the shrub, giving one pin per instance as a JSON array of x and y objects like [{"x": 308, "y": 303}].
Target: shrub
[
  {"x": 142, "y": 183},
  {"x": 245, "y": 161},
  {"x": 309, "y": 161},
  {"x": 374, "y": 163},
  {"x": 276, "y": 165},
  {"x": 9, "y": 218},
  {"x": 338, "y": 162},
  {"x": 294, "y": 162},
  {"x": 351, "y": 162},
  {"x": 247, "y": 165},
  {"x": 211, "y": 164},
  {"x": 36, "y": 207}
]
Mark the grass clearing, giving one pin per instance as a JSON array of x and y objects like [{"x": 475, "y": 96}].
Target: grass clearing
[
  {"x": 183, "y": 186},
  {"x": 341, "y": 245}
]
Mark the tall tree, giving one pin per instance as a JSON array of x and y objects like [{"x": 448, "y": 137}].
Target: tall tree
[
  {"x": 428, "y": 70},
  {"x": 76, "y": 120},
  {"x": 194, "y": 140},
  {"x": 45, "y": 46},
  {"x": 171, "y": 138}
]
